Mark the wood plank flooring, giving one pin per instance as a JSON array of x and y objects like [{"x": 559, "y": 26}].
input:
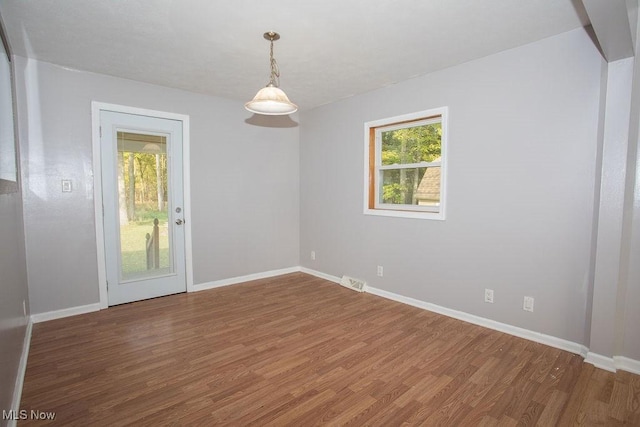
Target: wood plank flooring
[{"x": 298, "y": 350}]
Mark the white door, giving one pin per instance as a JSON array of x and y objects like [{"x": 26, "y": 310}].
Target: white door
[{"x": 142, "y": 194}]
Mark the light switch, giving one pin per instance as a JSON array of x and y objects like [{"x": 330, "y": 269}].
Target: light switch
[{"x": 66, "y": 186}]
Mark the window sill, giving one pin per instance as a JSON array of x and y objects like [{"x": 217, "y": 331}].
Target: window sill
[{"x": 438, "y": 216}]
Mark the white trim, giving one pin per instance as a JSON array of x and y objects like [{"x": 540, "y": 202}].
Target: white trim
[
  {"x": 626, "y": 364},
  {"x": 97, "y": 204},
  {"x": 241, "y": 279},
  {"x": 390, "y": 122},
  {"x": 549, "y": 340},
  {"x": 334, "y": 279},
  {"x": 186, "y": 194},
  {"x": 22, "y": 370},
  {"x": 405, "y": 214},
  {"x": 600, "y": 361},
  {"x": 96, "y": 107},
  {"x": 65, "y": 312},
  {"x": 410, "y": 118}
]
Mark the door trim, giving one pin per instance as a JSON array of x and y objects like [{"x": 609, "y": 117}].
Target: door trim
[{"x": 96, "y": 108}]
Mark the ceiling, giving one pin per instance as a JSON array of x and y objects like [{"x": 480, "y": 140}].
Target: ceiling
[{"x": 329, "y": 49}]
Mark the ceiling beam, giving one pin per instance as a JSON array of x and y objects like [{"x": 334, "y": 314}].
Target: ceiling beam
[{"x": 610, "y": 21}]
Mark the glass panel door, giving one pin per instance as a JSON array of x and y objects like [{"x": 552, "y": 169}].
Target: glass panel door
[
  {"x": 143, "y": 206},
  {"x": 142, "y": 194}
]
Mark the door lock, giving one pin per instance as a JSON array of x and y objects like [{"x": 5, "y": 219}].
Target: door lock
[{"x": 179, "y": 221}]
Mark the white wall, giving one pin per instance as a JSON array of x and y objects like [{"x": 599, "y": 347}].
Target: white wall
[
  {"x": 610, "y": 193},
  {"x": 631, "y": 231},
  {"x": 616, "y": 286},
  {"x": 631, "y": 336},
  {"x": 13, "y": 293},
  {"x": 631, "y": 265},
  {"x": 245, "y": 216},
  {"x": 523, "y": 144}
]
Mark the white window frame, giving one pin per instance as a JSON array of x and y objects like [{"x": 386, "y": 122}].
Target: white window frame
[{"x": 372, "y": 172}]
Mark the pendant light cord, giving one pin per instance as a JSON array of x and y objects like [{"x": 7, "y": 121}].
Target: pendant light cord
[{"x": 275, "y": 71}]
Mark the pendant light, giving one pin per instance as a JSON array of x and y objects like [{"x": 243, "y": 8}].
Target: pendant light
[{"x": 271, "y": 100}]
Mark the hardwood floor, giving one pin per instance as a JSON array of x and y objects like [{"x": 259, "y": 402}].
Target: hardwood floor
[{"x": 298, "y": 350}]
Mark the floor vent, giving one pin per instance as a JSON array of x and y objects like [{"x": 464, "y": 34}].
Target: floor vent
[{"x": 351, "y": 283}]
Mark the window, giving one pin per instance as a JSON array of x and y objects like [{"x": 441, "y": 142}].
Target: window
[{"x": 406, "y": 157}]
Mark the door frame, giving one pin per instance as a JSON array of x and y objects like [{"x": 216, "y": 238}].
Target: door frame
[{"x": 96, "y": 108}]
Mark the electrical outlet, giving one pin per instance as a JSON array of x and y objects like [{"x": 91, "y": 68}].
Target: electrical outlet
[
  {"x": 313, "y": 255},
  {"x": 488, "y": 295},
  {"x": 528, "y": 304},
  {"x": 380, "y": 271}
]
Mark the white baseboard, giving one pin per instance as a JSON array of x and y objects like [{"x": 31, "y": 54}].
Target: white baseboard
[
  {"x": 22, "y": 370},
  {"x": 241, "y": 279},
  {"x": 600, "y": 361},
  {"x": 321, "y": 275},
  {"x": 626, "y": 364},
  {"x": 65, "y": 312}
]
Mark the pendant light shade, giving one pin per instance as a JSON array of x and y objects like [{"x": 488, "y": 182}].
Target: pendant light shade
[{"x": 271, "y": 100}]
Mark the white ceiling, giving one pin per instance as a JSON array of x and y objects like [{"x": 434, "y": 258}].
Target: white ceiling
[{"x": 329, "y": 49}]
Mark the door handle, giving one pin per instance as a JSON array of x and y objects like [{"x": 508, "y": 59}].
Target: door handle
[{"x": 179, "y": 221}]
